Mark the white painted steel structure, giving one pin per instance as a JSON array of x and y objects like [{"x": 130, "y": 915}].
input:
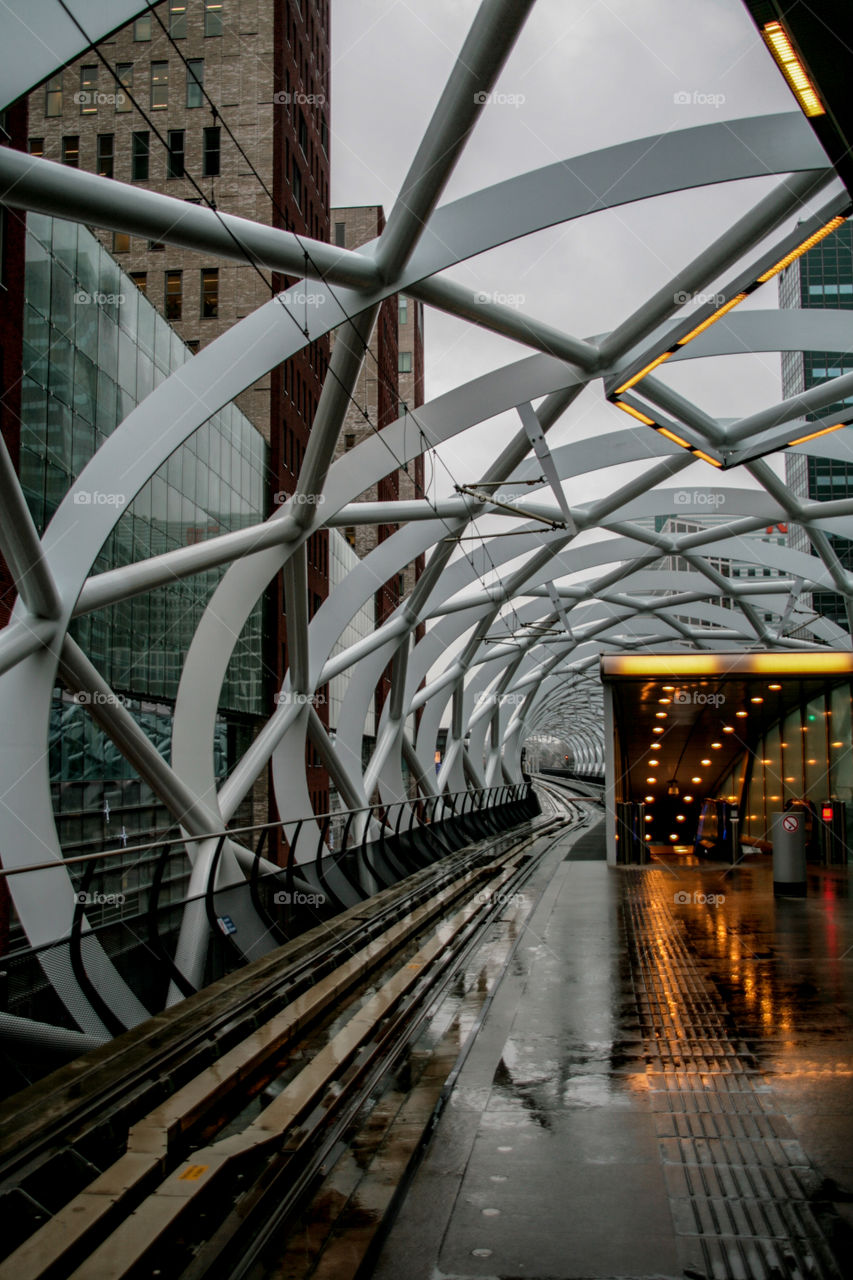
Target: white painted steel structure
[{"x": 498, "y": 681}]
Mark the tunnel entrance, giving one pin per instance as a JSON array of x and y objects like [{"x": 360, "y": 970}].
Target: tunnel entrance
[{"x": 702, "y": 749}]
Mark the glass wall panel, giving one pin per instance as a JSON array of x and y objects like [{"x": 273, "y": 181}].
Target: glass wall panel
[
  {"x": 792, "y": 754},
  {"x": 814, "y": 751}
]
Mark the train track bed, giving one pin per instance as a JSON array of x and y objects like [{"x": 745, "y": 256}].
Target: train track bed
[{"x": 187, "y": 1144}]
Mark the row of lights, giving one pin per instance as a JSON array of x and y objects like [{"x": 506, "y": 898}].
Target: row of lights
[
  {"x": 779, "y": 44},
  {"x": 715, "y": 746}
]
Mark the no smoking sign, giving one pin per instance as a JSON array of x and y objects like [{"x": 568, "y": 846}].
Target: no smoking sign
[{"x": 791, "y": 822}]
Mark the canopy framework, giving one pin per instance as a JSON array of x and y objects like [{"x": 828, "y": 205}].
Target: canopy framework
[{"x": 515, "y": 627}]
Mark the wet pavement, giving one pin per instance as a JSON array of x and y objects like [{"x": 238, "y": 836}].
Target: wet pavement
[{"x": 662, "y": 1087}]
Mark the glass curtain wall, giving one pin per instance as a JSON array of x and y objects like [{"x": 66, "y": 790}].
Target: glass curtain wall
[{"x": 95, "y": 347}]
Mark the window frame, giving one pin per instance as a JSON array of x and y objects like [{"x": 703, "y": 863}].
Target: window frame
[
  {"x": 88, "y": 92},
  {"x": 207, "y": 311},
  {"x": 159, "y": 85},
  {"x": 100, "y": 150},
  {"x": 140, "y": 149},
  {"x": 176, "y": 158},
  {"x": 195, "y": 83},
  {"x": 209, "y": 170},
  {"x": 53, "y": 96},
  {"x": 124, "y": 75},
  {"x": 169, "y": 305}
]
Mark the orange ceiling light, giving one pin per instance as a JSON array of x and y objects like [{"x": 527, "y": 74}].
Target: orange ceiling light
[
  {"x": 712, "y": 319},
  {"x": 639, "y": 376},
  {"x": 809, "y": 243},
  {"x": 814, "y": 434},
  {"x": 778, "y": 42}
]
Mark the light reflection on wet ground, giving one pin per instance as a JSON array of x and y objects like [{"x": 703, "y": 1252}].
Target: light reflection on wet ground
[{"x": 557, "y": 1155}]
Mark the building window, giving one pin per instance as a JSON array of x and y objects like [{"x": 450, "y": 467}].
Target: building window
[
  {"x": 88, "y": 95},
  {"x": 142, "y": 27},
  {"x": 124, "y": 75},
  {"x": 140, "y": 279},
  {"x": 175, "y": 161},
  {"x": 53, "y": 96},
  {"x": 324, "y": 134},
  {"x": 209, "y": 292},
  {"x": 156, "y": 246},
  {"x": 159, "y": 86},
  {"x": 193, "y": 345},
  {"x": 296, "y": 184},
  {"x": 178, "y": 19},
  {"x": 303, "y": 133},
  {"x": 105, "y": 155},
  {"x": 71, "y": 150},
  {"x": 121, "y": 242},
  {"x": 404, "y": 362},
  {"x": 139, "y": 153},
  {"x": 36, "y": 146},
  {"x": 341, "y": 235},
  {"x": 174, "y": 295},
  {"x": 349, "y": 534},
  {"x": 403, "y": 310},
  {"x": 210, "y": 165},
  {"x": 349, "y": 441},
  {"x": 195, "y": 80},
  {"x": 213, "y": 17}
]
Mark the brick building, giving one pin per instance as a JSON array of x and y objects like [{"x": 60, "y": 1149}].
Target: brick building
[
  {"x": 391, "y": 380},
  {"x": 223, "y": 103}
]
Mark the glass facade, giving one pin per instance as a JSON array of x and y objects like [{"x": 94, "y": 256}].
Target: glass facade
[
  {"x": 823, "y": 277},
  {"x": 94, "y": 347},
  {"x": 806, "y": 757}
]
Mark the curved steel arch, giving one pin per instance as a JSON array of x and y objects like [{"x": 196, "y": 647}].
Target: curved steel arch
[{"x": 495, "y": 688}]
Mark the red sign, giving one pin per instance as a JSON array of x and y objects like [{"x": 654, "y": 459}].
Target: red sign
[
  {"x": 826, "y": 812},
  {"x": 791, "y": 822}
]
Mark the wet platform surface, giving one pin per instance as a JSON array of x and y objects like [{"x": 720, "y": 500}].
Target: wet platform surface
[{"x": 662, "y": 1087}]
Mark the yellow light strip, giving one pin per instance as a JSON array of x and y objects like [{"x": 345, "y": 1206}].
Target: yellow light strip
[
  {"x": 684, "y": 664},
  {"x": 801, "y": 249},
  {"x": 792, "y": 69},
  {"x": 706, "y": 457},
  {"x": 637, "y": 376},
  {"x": 635, "y": 413},
  {"x": 670, "y": 435},
  {"x": 721, "y": 311},
  {"x": 814, "y": 435}
]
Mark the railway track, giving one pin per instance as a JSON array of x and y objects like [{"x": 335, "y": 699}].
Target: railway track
[{"x": 190, "y": 1146}]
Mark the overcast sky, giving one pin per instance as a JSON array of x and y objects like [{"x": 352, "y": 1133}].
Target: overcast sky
[{"x": 591, "y": 73}]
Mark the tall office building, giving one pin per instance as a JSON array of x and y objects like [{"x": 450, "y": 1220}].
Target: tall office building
[
  {"x": 223, "y": 104},
  {"x": 823, "y": 277},
  {"x": 391, "y": 382}
]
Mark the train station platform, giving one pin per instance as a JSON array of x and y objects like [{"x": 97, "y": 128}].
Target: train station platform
[{"x": 662, "y": 1086}]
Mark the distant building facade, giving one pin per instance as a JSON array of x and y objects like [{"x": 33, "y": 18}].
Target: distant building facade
[
  {"x": 823, "y": 277},
  {"x": 225, "y": 104}
]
